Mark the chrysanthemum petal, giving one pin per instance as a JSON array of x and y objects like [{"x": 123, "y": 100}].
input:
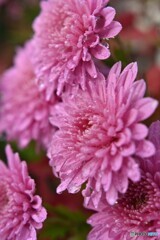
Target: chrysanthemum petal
[{"x": 100, "y": 52}]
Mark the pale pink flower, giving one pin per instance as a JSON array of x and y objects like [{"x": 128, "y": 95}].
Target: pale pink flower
[
  {"x": 138, "y": 210},
  {"x": 99, "y": 135},
  {"x": 69, "y": 35},
  {"x": 24, "y": 111},
  {"x": 21, "y": 211}
]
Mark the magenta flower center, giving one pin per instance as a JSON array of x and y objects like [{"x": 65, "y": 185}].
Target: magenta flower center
[
  {"x": 88, "y": 125},
  {"x": 83, "y": 124},
  {"x": 141, "y": 203},
  {"x": 136, "y": 197}
]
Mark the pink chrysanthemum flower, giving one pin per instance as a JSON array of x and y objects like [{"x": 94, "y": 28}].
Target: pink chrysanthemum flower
[
  {"x": 21, "y": 211},
  {"x": 24, "y": 111},
  {"x": 137, "y": 213},
  {"x": 99, "y": 135},
  {"x": 69, "y": 35}
]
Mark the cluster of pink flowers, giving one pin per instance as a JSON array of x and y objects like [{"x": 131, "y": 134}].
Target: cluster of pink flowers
[{"x": 90, "y": 125}]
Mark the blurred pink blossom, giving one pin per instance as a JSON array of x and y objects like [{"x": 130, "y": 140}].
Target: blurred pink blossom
[
  {"x": 99, "y": 135},
  {"x": 21, "y": 210},
  {"x": 24, "y": 111}
]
